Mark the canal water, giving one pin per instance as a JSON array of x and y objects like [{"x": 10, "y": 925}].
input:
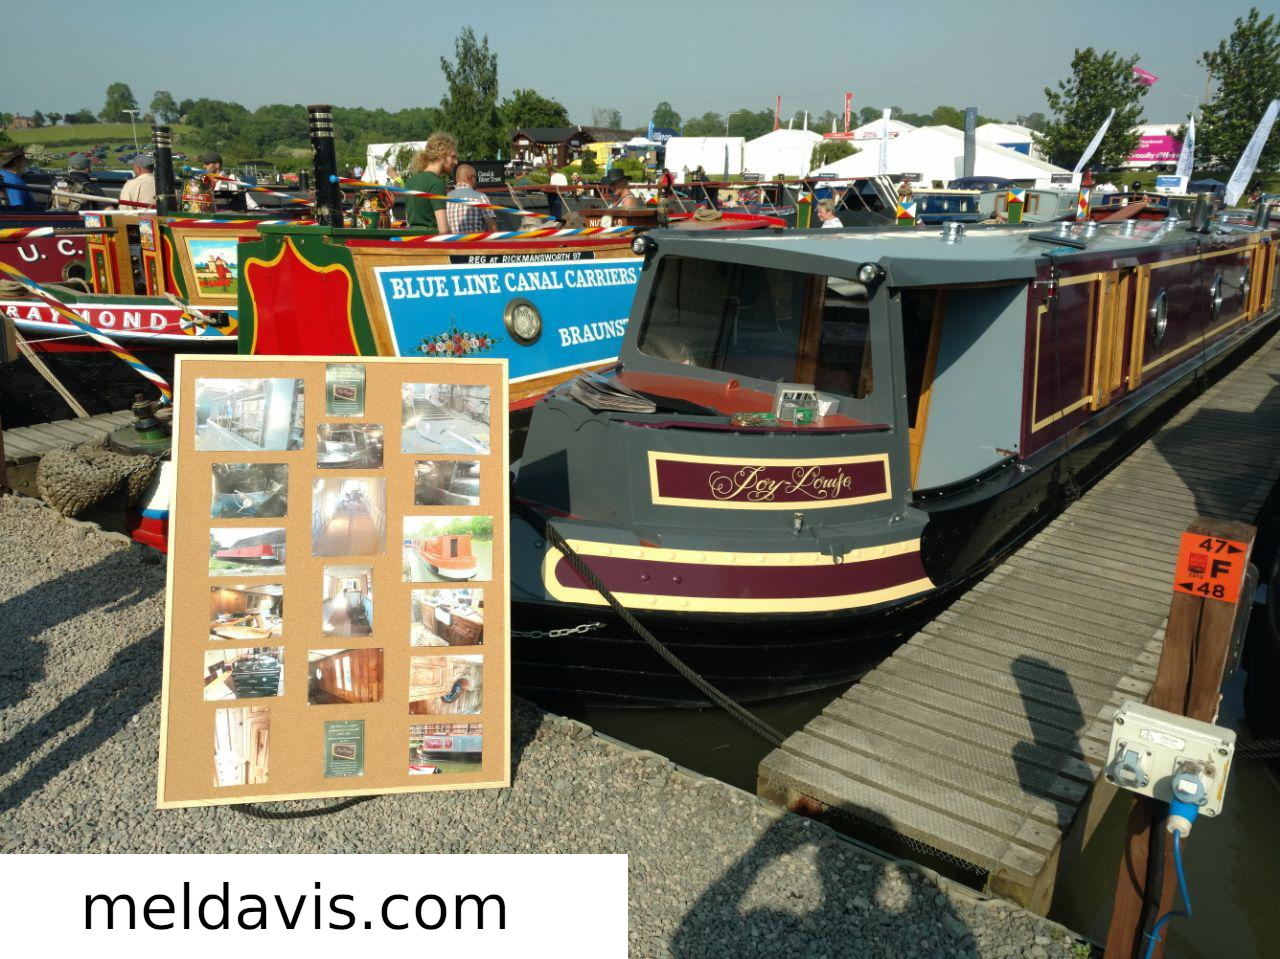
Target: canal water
[{"x": 1232, "y": 862}]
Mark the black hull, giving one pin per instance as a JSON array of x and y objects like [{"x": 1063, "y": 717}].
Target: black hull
[{"x": 752, "y": 658}]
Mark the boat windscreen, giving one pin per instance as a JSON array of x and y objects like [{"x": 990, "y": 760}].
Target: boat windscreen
[{"x": 780, "y": 326}]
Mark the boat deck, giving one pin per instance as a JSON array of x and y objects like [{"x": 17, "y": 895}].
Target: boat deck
[
  {"x": 25, "y": 445},
  {"x": 984, "y": 736}
]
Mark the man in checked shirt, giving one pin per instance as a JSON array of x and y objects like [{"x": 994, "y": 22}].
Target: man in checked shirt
[{"x": 464, "y": 218}]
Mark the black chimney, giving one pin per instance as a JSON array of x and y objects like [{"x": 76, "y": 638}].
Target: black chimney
[
  {"x": 325, "y": 164},
  {"x": 166, "y": 192}
]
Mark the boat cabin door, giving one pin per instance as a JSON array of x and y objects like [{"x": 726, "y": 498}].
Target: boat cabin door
[{"x": 1113, "y": 304}]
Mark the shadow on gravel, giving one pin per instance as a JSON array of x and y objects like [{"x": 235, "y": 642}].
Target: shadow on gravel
[
  {"x": 109, "y": 700},
  {"x": 27, "y": 615},
  {"x": 846, "y": 920}
]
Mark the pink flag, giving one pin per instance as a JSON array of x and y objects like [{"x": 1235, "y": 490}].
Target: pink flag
[{"x": 1145, "y": 77}]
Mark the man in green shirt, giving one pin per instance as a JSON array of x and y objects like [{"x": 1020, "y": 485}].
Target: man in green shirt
[{"x": 431, "y": 169}]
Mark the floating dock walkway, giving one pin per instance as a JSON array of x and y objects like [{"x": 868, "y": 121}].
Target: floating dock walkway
[
  {"x": 24, "y": 445},
  {"x": 984, "y": 736}
]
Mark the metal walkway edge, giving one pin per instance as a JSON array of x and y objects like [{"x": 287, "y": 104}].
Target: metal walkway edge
[
  {"x": 984, "y": 735},
  {"x": 24, "y": 445}
]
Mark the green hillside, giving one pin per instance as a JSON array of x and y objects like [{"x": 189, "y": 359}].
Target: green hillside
[{"x": 90, "y": 133}]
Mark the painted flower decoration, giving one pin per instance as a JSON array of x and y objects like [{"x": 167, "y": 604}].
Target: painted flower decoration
[{"x": 456, "y": 342}]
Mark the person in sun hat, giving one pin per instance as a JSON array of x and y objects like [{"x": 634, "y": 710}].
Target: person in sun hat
[
  {"x": 13, "y": 163},
  {"x": 620, "y": 185}
]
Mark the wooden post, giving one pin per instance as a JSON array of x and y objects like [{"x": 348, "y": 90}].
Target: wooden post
[{"x": 1208, "y": 599}]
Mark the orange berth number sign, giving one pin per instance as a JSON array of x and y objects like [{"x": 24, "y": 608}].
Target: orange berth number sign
[{"x": 1211, "y": 567}]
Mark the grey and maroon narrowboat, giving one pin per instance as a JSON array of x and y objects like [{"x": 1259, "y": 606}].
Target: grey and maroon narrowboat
[{"x": 963, "y": 386}]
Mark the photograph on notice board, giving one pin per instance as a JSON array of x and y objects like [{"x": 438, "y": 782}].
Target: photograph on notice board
[
  {"x": 246, "y": 614},
  {"x": 348, "y": 601},
  {"x": 348, "y": 446},
  {"x": 445, "y": 684},
  {"x": 446, "y": 483},
  {"x": 344, "y": 748},
  {"x": 338, "y": 676},
  {"x": 443, "y": 549},
  {"x": 349, "y": 517},
  {"x": 241, "y": 745},
  {"x": 444, "y": 418},
  {"x": 344, "y": 389},
  {"x": 246, "y": 551},
  {"x": 250, "y": 491},
  {"x": 253, "y": 673},
  {"x": 447, "y": 617},
  {"x": 245, "y": 415},
  {"x": 444, "y": 748}
]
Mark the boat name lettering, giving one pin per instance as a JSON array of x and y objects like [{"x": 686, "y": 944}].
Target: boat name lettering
[
  {"x": 591, "y": 332},
  {"x": 565, "y": 256},
  {"x": 755, "y": 485},
  {"x": 128, "y": 319},
  {"x": 425, "y": 287}
]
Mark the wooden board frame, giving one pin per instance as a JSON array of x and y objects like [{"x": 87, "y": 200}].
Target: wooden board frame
[{"x": 297, "y": 732}]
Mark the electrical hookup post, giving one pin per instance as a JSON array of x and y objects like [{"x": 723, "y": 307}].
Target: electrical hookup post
[{"x": 1167, "y": 751}]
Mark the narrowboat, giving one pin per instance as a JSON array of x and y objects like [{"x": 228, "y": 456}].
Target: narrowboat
[
  {"x": 448, "y": 556},
  {"x": 843, "y": 427},
  {"x": 269, "y": 553}
]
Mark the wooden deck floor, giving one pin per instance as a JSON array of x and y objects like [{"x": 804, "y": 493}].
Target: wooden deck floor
[
  {"x": 24, "y": 446},
  {"x": 985, "y": 734}
]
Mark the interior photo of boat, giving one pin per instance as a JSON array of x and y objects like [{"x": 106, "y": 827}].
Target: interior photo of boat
[
  {"x": 241, "y": 745},
  {"x": 444, "y": 418},
  {"x": 250, "y": 490},
  {"x": 336, "y": 676},
  {"x": 348, "y": 601},
  {"x": 447, "y": 617},
  {"x": 349, "y": 517},
  {"x": 349, "y": 445},
  {"x": 248, "y": 415},
  {"x": 243, "y": 673},
  {"x": 445, "y": 685},
  {"x": 446, "y": 483},
  {"x": 246, "y": 613}
]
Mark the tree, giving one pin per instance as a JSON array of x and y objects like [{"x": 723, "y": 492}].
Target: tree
[
  {"x": 829, "y": 151},
  {"x": 119, "y": 99},
  {"x": 606, "y": 117},
  {"x": 184, "y": 107},
  {"x": 37, "y": 119},
  {"x": 666, "y": 117},
  {"x": 1032, "y": 121},
  {"x": 5, "y": 120},
  {"x": 869, "y": 114},
  {"x": 527, "y": 108},
  {"x": 164, "y": 106},
  {"x": 470, "y": 109},
  {"x": 83, "y": 115},
  {"x": 216, "y": 120},
  {"x": 54, "y": 118},
  {"x": 1098, "y": 82},
  {"x": 1246, "y": 71},
  {"x": 710, "y": 124}
]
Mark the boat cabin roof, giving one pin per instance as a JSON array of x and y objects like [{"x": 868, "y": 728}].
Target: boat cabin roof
[{"x": 926, "y": 257}]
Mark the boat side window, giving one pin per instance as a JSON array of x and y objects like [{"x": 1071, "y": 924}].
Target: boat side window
[{"x": 775, "y": 325}]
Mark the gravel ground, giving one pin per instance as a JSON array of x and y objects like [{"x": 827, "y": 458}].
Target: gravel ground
[{"x": 714, "y": 872}]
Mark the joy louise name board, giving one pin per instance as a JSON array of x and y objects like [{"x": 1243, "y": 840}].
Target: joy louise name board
[{"x": 718, "y": 482}]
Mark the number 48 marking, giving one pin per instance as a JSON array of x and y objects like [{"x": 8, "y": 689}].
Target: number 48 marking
[{"x": 1216, "y": 590}]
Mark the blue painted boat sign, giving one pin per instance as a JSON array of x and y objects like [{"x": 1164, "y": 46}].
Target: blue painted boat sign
[{"x": 489, "y": 310}]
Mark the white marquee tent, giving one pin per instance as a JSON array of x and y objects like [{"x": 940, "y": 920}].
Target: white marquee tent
[
  {"x": 784, "y": 153},
  {"x": 382, "y": 155},
  {"x": 1011, "y": 136},
  {"x": 716, "y": 155},
  {"x": 937, "y": 153}
]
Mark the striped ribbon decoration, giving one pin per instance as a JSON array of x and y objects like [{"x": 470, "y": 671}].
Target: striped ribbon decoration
[
  {"x": 194, "y": 172},
  {"x": 249, "y": 222},
  {"x": 517, "y": 234},
  {"x": 40, "y": 293},
  {"x": 25, "y": 232},
  {"x": 363, "y": 185}
]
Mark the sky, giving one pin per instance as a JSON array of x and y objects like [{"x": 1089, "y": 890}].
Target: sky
[{"x": 699, "y": 55}]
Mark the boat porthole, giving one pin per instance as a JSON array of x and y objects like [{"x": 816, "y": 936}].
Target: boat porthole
[
  {"x": 1244, "y": 285},
  {"x": 1158, "y": 318},
  {"x": 523, "y": 321},
  {"x": 1215, "y": 296}
]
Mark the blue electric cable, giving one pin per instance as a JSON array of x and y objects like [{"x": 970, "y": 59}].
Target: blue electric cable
[{"x": 1154, "y": 935}]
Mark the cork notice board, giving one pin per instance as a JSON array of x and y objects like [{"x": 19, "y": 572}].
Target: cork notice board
[{"x": 338, "y": 613}]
